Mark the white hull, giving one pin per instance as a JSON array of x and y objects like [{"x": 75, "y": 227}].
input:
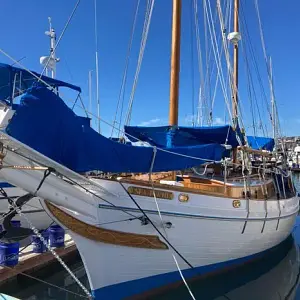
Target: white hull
[
  {"x": 208, "y": 242},
  {"x": 208, "y": 231},
  {"x": 202, "y": 241}
]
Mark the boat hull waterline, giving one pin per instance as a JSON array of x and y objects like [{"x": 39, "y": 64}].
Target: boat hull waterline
[
  {"x": 209, "y": 232},
  {"x": 208, "y": 244}
]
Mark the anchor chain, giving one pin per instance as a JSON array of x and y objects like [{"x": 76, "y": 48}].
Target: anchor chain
[{"x": 36, "y": 231}]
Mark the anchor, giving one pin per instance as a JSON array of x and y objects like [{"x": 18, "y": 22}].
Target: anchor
[{"x": 12, "y": 234}]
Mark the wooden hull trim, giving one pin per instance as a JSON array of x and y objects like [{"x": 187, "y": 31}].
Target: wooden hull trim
[{"x": 106, "y": 235}]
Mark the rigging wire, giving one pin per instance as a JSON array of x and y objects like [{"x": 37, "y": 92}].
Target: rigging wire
[
  {"x": 209, "y": 76},
  {"x": 215, "y": 52},
  {"x": 53, "y": 89},
  {"x": 124, "y": 79},
  {"x": 229, "y": 68},
  {"x": 97, "y": 196},
  {"x": 65, "y": 62},
  {"x": 97, "y": 65},
  {"x": 155, "y": 227},
  {"x": 165, "y": 238},
  {"x": 90, "y": 89},
  {"x": 249, "y": 92},
  {"x": 142, "y": 211},
  {"x": 262, "y": 36},
  {"x": 208, "y": 73},
  {"x": 217, "y": 57},
  {"x": 228, "y": 24},
  {"x": 145, "y": 214},
  {"x": 192, "y": 64},
  {"x": 162, "y": 223},
  {"x": 76, "y": 183},
  {"x": 149, "y": 10},
  {"x": 18, "y": 61},
  {"x": 60, "y": 37},
  {"x": 160, "y": 149},
  {"x": 227, "y": 56},
  {"x": 252, "y": 92},
  {"x": 166, "y": 234},
  {"x": 268, "y": 68},
  {"x": 233, "y": 88},
  {"x": 134, "y": 217},
  {"x": 255, "y": 63},
  {"x": 34, "y": 229},
  {"x": 201, "y": 93}
]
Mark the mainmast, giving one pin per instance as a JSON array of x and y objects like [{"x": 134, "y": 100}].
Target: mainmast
[{"x": 175, "y": 63}]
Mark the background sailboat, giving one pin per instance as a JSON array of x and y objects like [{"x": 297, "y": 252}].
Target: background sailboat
[{"x": 21, "y": 80}]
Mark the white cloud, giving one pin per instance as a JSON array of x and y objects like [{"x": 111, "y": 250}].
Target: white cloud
[
  {"x": 219, "y": 121},
  {"x": 150, "y": 122},
  {"x": 190, "y": 119}
]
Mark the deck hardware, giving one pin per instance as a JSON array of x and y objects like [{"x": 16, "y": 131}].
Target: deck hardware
[{"x": 236, "y": 203}]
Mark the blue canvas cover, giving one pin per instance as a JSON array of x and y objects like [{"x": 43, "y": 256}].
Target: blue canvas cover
[
  {"x": 167, "y": 136},
  {"x": 260, "y": 143},
  {"x": 45, "y": 123},
  {"x": 24, "y": 80}
]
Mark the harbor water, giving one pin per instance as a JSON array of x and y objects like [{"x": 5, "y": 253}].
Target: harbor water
[{"x": 276, "y": 275}]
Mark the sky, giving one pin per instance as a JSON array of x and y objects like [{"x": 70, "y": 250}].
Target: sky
[{"x": 23, "y": 24}]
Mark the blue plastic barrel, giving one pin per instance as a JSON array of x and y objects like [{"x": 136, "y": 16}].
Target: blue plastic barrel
[
  {"x": 15, "y": 223},
  {"x": 9, "y": 254},
  {"x": 38, "y": 245},
  {"x": 56, "y": 236}
]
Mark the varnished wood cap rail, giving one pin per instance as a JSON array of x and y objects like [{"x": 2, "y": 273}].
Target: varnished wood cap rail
[{"x": 254, "y": 151}]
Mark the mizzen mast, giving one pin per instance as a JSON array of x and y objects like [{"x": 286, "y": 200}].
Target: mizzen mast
[
  {"x": 235, "y": 64},
  {"x": 175, "y": 63},
  {"x": 234, "y": 38}
]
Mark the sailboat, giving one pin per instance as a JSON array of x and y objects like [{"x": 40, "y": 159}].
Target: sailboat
[
  {"x": 20, "y": 80},
  {"x": 139, "y": 234}
]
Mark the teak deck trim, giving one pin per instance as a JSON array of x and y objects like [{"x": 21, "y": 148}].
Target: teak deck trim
[
  {"x": 103, "y": 235},
  {"x": 211, "y": 188}
]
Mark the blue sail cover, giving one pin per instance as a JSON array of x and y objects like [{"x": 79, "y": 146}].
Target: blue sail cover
[
  {"x": 24, "y": 80},
  {"x": 167, "y": 136},
  {"x": 45, "y": 123},
  {"x": 260, "y": 143}
]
